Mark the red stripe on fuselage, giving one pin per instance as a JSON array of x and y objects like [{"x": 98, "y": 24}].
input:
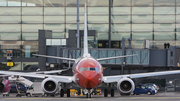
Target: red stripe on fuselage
[{"x": 88, "y": 73}]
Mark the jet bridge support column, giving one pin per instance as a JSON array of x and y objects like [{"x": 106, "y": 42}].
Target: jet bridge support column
[
  {"x": 43, "y": 35},
  {"x": 123, "y": 49}
]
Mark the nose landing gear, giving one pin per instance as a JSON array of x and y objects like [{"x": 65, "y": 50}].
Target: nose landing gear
[{"x": 88, "y": 92}]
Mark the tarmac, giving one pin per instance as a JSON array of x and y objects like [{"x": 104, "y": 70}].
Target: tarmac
[{"x": 162, "y": 96}]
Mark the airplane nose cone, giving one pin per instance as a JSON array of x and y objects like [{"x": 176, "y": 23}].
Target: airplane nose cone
[{"x": 89, "y": 76}]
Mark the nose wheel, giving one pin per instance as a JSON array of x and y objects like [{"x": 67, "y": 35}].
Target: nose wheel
[{"x": 88, "y": 95}]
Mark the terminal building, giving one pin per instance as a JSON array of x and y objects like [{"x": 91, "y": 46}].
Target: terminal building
[{"x": 150, "y": 27}]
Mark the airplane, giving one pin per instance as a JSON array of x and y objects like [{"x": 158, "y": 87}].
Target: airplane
[{"x": 87, "y": 74}]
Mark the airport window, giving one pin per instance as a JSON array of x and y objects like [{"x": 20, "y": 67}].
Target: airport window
[
  {"x": 13, "y": 2},
  {"x": 73, "y": 3},
  {"x": 119, "y": 35},
  {"x": 10, "y": 36},
  {"x": 177, "y": 19},
  {"x": 102, "y": 36},
  {"x": 98, "y": 19},
  {"x": 120, "y": 28},
  {"x": 142, "y": 19},
  {"x": 55, "y": 27},
  {"x": 164, "y": 10},
  {"x": 120, "y": 11},
  {"x": 10, "y": 28},
  {"x": 164, "y": 27},
  {"x": 164, "y": 18},
  {"x": 177, "y": 36},
  {"x": 31, "y": 27},
  {"x": 73, "y": 11},
  {"x": 54, "y": 3},
  {"x": 72, "y": 19},
  {"x": 142, "y": 27},
  {"x": 164, "y": 2},
  {"x": 121, "y": 2},
  {"x": 98, "y": 3},
  {"x": 32, "y": 3},
  {"x": 142, "y": 10},
  {"x": 10, "y": 19},
  {"x": 177, "y": 10},
  {"x": 54, "y": 11},
  {"x": 164, "y": 35},
  {"x": 32, "y": 11},
  {"x": 121, "y": 19},
  {"x": 142, "y": 3},
  {"x": 32, "y": 19},
  {"x": 141, "y": 35},
  {"x": 29, "y": 36},
  {"x": 98, "y": 11},
  {"x": 99, "y": 27},
  {"x": 8, "y": 11},
  {"x": 58, "y": 35}
]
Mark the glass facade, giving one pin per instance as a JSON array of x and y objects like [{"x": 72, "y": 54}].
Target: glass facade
[{"x": 155, "y": 20}]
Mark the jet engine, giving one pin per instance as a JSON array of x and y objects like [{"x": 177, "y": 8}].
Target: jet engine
[
  {"x": 49, "y": 85},
  {"x": 5, "y": 85},
  {"x": 125, "y": 86}
]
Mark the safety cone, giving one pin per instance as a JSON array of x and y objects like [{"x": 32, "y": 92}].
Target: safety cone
[{"x": 75, "y": 94}]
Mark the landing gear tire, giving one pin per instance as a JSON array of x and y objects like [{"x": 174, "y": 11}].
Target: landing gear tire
[
  {"x": 105, "y": 93},
  {"x": 90, "y": 95},
  {"x": 62, "y": 93},
  {"x": 112, "y": 92},
  {"x": 68, "y": 92}
]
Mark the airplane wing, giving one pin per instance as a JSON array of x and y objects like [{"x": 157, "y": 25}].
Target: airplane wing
[
  {"x": 1, "y": 76},
  {"x": 55, "y": 57},
  {"x": 50, "y": 72},
  {"x": 62, "y": 79},
  {"x": 101, "y": 59},
  {"x": 111, "y": 79}
]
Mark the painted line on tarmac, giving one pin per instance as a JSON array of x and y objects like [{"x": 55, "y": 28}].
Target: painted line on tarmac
[
  {"x": 149, "y": 98},
  {"x": 32, "y": 98}
]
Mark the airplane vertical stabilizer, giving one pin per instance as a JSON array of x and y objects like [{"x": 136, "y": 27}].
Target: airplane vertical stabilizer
[{"x": 86, "y": 54}]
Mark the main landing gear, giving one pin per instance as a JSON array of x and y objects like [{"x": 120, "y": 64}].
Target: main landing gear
[
  {"x": 106, "y": 92},
  {"x": 63, "y": 92}
]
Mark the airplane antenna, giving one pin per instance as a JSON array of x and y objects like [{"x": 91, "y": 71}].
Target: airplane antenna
[{"x": 86, "y": 54}]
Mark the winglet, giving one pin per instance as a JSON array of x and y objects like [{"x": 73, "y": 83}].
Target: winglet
[{"x": 86, "y": 54}]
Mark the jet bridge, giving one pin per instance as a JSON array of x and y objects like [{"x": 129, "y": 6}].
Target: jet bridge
[
  {"x": 142, "y": 57},
  {"x": 145, "y": 57}
]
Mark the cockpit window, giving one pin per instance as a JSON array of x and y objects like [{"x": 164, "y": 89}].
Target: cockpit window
[{"x": 88, "y": 69}]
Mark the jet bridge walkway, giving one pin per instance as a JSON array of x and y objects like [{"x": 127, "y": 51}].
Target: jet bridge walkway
[{"x": 142, "y": 57}]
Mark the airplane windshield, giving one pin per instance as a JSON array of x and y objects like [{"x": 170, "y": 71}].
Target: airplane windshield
[{"x": 89, "y": 69}]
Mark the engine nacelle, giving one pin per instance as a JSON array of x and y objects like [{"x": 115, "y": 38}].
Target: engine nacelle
[
  {"x": 49, "y": 85},
  {"x": 5, "y": 85},
  {"x": 125, "y": 86}
]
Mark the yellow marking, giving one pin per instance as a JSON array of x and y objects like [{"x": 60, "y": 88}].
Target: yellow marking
[{"x": 9, "y": 63}]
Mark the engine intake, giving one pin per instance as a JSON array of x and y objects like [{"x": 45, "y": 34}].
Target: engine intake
[
  {"x": 125, "y": 86},
  {"x": 2, "y": 86},
  {"x": 49, "y": 85}
]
